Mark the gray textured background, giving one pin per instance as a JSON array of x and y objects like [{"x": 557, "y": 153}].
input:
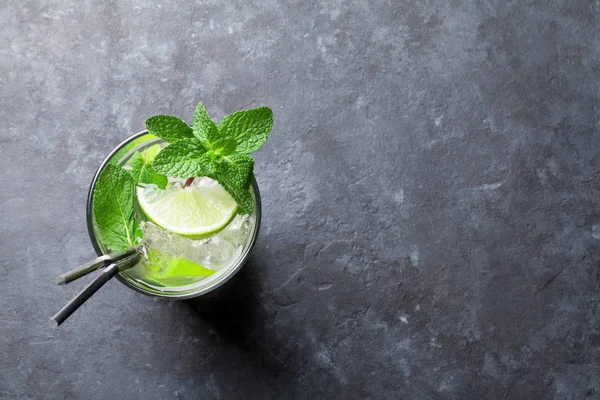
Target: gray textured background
[{"x": 431, "y": 191}]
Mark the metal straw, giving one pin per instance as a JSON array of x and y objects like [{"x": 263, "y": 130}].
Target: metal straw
[
  {"x": 104, "y": 276},
  {"x": 93, "y": 265}
]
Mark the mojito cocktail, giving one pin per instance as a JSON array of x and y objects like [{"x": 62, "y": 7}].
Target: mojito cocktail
[{"x": 185, "y": 198}]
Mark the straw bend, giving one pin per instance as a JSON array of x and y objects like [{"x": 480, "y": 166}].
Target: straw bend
[{"x": 93, "y": 265}]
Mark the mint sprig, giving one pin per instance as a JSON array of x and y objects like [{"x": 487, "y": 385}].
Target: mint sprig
[
  {"x": 235, "y": 175},
  {"x": 114, "y": 209},
  {"x": 219, "y": 151}
]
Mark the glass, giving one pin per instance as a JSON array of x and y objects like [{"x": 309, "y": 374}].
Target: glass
[{"x": 133, "y": 277}]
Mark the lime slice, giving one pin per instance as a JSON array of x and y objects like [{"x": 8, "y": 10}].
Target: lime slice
[{"x": 194, "y": 211}]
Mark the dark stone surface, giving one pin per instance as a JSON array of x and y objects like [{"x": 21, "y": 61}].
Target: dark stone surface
[{"x": 431, "y": 192}]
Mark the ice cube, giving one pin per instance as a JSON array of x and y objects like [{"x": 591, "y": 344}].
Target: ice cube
[
  {"x": 214, "y": 253},
  {"x": 237, "y": 230}
]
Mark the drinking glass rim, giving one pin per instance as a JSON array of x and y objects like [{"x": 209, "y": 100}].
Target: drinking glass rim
[{"x": 230, "y": 273}]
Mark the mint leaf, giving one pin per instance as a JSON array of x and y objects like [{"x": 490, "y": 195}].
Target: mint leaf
[
  {"x": 206, "y": 131},
  {"x": 169, "y": 128},
  {"x": 113, "y": 208},
  {"x": 150, "y": 176},
  {"x": 235, "y": 175},
  {"x": 183, "y": 159},
  {"x": 241, "y": 195},
  {"x": 249, "y": 128},
  {"x": 204, "y": 128},
  {"x": 142, "y": 171},
  {"x": 223, "y": 146},
  {"x": 238, "y": 168}
]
